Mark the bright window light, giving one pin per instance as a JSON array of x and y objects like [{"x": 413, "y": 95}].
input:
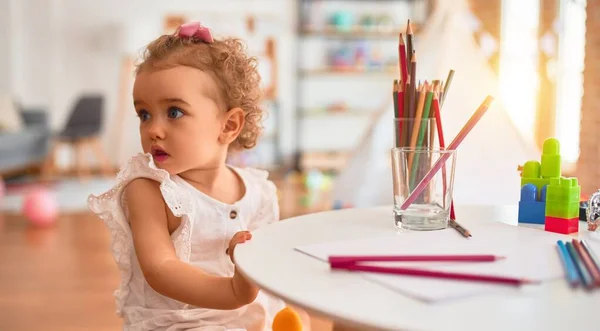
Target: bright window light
[
  {"x": 519, "y": 77},
  {"x": 571, "y": 50}
]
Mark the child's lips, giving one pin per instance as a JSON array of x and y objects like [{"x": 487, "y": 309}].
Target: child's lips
[
  {"x": 159, "y": 154},
  {"x": 160, "y": 157}
]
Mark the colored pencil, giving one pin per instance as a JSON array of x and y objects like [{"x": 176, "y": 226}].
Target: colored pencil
[
  {"x": 409, "y": 47},
  {"x": 581, "y": 270},
  {"x": 461, "y": 229},
  {"x": 447, "y": 86},
  {"x": 435, "y": 274},
  {"x": 440, "y": 132},
  {"x": 415, "y": 129},
  {"x": 396, "y": 113},
  {"x": 413, "y": 85},
  {"x": 402, "y": 56},
  {"x": 591, "y": 254},
  {"x": 433, "y": 130},
  {"x": 401, "y": 114},
  {"x": 406, "y": 126},
  {"x": 428, "y": 91},
  {"x": 453, "y": 145},
  {"x": 438, "y": 123},
  {"x": 341, "y": 259},
  {"x": 427, "y": 95},
  {"x": 568, "y": 264},
  {"x": 417, "y": 123},
  {"x": 587, "y": 262}
]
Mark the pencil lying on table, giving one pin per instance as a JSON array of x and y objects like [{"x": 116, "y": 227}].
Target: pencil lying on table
[
  {"x": 343, "y": 259},
  {"x": 434, "y": 274},
  {"x": 459, "y": 228}
]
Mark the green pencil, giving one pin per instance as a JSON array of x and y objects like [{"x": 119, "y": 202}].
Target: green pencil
[{"x": 422, "y": 128}]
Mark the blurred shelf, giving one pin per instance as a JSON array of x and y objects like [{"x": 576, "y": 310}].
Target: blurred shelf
[
  {"x": 306, "y": 113},
  {"x": 351, "y": 70},
  {"x": 325, "y": 161},
  {"x": 355, "y": 32}
]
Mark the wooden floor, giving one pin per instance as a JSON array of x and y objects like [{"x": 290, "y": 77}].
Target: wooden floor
[{"x": 62, "y": 277}]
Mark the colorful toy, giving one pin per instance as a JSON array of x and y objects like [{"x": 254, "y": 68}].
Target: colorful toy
[
  {"x": 2, "y": 188},
  {"x": 562, "y": 205},
  {"x": 543, "y": 186},
  {"x": 531, "y": 209},
  {"x": 40, "y": 207},
  {"x": 287, "y": 320}
]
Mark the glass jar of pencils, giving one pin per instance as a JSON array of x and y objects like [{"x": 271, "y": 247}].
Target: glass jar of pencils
[
  {"x": 423, "y": 180},
  {"x": 412, "y": 132}
]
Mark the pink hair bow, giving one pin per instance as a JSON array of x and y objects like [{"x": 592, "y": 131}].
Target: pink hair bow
[{"x": 195, "y": 30}]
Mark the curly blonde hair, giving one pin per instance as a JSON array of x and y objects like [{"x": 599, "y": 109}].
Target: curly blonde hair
[{"x": 227, "y": 62}]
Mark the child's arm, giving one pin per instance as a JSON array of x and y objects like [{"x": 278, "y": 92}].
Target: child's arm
[{"x": 163, "y": 271}]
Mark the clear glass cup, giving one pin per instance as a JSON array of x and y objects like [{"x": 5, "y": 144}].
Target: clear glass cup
[{"x": 430, "y": 208}]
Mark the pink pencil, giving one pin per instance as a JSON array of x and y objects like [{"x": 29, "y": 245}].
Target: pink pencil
[
  {"x": 453, "y": 145},
  {"x": 435, "y": 274},
  {"x": 339, "y": 260}
]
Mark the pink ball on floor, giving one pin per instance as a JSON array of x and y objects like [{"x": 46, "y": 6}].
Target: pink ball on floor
[
  {"x": 40, "y": 207},
  {"x": 2, "y": 188}
]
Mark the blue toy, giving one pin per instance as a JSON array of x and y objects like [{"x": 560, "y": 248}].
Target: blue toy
[{"x": 532, "y": 210}]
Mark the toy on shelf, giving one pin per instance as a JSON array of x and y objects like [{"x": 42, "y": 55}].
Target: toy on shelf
[{"x": 546, "y": 196}]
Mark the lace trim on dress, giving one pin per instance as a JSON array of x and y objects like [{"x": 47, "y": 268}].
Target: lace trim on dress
[{"x": 110, "y": 208}]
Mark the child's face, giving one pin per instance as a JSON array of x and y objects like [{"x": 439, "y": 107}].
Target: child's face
[{"x": 180, "y": 124}]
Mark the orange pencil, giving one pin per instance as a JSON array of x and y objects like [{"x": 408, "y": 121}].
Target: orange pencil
[{"x": 417, "y": 124}]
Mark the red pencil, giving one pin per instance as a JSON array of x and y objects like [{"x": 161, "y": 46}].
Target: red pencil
[
  {"x": 345, "y": 260},
  {"x": 435, "y": 274},
  {"x": 402, "y": 56},
  {"x": 438, "y": 124},
  {"x": 400, "y": 111}
]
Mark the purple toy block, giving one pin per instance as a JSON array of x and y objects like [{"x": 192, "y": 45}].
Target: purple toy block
[{"x": 530, "y": 209}]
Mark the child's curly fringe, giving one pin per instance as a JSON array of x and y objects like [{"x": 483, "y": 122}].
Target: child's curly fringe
[{"x": 228, "y": 63}]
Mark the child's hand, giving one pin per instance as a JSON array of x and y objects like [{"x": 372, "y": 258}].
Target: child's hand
[{"x": 238, "y": 238}]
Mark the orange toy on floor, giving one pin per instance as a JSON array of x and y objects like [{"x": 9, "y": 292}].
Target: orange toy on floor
[{"x": 287, "y": 320}]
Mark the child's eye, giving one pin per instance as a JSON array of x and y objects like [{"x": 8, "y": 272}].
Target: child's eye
[
  {"x": 143, "y": 115},
  {"x": 174, "y": 112}
]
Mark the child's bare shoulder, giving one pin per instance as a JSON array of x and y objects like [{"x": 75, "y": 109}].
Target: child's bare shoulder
[{"x": 143, "y": 193}]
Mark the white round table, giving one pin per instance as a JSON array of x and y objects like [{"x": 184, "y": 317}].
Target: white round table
[{"x": 271, "y": 261}]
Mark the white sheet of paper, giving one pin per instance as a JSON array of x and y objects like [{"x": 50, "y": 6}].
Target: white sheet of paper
[{"x": 530, "y": 253}]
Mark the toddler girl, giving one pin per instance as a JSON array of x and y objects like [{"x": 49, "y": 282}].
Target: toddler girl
[{"x": 178, "y": 211}]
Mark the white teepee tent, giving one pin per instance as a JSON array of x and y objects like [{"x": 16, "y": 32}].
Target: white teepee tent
[{"x": 487, "y": 160}]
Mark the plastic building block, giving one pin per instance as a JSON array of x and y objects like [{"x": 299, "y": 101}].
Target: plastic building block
[
  {"x": 562, "y": 198},
  {"x": 531, "y": 175},
  {"x": 532, "y": 210},
  {"x": 550, "y": 166},
  {"x": 562, "y": 225}
]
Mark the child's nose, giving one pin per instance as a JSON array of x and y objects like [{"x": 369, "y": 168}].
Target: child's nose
[{"x": 156, "y": 130}]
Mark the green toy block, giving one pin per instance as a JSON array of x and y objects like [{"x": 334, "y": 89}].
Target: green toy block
[
  {"x": 550, "y": 166},
  {"x": 562, "y": 210},
  {"x": 538, "y": 182},
  {"x": 562, "y": 197},
  {"x": 531, "y": 169},
  {"x": 531, "y": 175},
  {"x": 563, "y": 189}
]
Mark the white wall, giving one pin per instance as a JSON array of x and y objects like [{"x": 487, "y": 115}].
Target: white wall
[{"x": 68, "y": 47}]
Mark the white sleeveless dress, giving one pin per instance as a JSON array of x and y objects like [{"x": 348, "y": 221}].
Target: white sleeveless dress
[{"x": 207, "y": 226}]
